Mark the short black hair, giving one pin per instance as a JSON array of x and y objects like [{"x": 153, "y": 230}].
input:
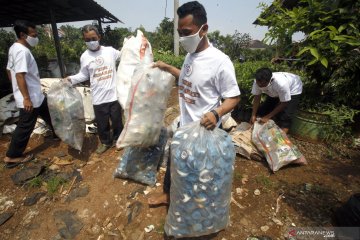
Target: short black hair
[
  {"x": 23, "y": 26},
  {"x": 263, "y": 75},
  {"x": 194, "y": 8},
  {"x": 89, "y": 27}
]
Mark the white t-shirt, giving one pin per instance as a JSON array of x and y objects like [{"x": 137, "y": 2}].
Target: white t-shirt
[
  {"x": 100, "y": 67},
  {"x": 284, "y": 85},
  {"x": 205, "y": 78},
  {"x": 22, "y": 61}
]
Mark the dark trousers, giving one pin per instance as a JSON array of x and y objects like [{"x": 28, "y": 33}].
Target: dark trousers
[
  {"x": 284, "y": 118},
  {"x": 25, "y": 127},
  {"x": 103, "y": 113}
]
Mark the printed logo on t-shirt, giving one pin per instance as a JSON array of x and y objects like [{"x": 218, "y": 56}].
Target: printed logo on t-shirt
[
  {"x": 103, "y": 73},
  {"x": 188, "y": 69},
  {"x": 184, "y": 88},
  {"x": 99, "y": 60}
]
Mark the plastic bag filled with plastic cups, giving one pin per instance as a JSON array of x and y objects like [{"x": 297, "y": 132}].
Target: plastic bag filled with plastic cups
[
  {"x": 141, "y": 164},
  {"x": 201, "y": 179},
  {"x": 146, "y": 105},
  {"x": 67, "y": 113}
]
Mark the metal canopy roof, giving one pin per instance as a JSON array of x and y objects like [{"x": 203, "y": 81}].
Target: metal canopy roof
[{"x": 38, "y": 11}]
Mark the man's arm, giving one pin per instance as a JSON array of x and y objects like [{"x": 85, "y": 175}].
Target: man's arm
[
  {"x": 8, "y": 74},
  {"x": 209, "y": 120},
  {"x": 20, "y": 79},
  {"x": 168, "y": 68},
  {"x": 276, "y": 110},
  {"x": 256, "y": 104}
]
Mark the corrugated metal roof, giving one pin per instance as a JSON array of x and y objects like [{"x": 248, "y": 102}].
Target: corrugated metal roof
[{"x": 38, "y": 11}]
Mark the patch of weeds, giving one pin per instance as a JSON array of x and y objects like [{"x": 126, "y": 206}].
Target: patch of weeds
[
  {"x": 36, "y": 182},
  {"x": 238, "y": 176},
  {"x": 53, "y": 184},
  {"x": 160, "y": 228},
  {"x": 317, "y": 189},
  {"x": 264, "y": 180}
]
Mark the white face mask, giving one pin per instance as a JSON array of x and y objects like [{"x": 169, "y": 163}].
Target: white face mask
[
  {"x": 32, "y": 41},
  {"x": 92, "y": 45},
  {"x": 190, "y": 43}
]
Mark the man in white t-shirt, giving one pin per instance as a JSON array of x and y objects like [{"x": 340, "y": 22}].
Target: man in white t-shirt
[
  {"x": 207, "y": 83},
  {"x": 23, "y": 72},
  {"x": 283, "y": 92},
  {"x": 98, "y": 65}
]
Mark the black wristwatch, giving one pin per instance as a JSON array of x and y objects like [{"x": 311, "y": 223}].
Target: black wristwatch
[{"x": 216, "y": 115}]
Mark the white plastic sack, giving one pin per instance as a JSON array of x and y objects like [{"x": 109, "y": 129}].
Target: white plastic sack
[
  {"x": 67, "y": 113},
  {"x": 133, "y": 52},
  {"x": 275, "y": 145},
  {"x": 8, "y": 110},
  {"x": 89, "y": 113},
  {"x": 228, "y": 122},
  {"x": 145, "y": 108},
  {"x": 201, "y": 180}
]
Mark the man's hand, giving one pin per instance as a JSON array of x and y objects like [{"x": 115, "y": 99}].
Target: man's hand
[
  {"x": 28, "y": 107},
  {"x": 265, "y": 119},
  {"x": 208, "y": 121},
  {"x": 161, "y": 65}
]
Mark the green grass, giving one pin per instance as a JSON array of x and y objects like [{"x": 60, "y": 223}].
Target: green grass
[
  {"x": 53, "y": 184},
  {"x": 160, "y": 227},
  {"x": 36, "y": 182},
  {"x": 238, "y": 176},
  {"x": 264, "y": 180}
]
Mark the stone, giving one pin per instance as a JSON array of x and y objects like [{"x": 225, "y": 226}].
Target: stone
[
  {"x": 34, "y": 198},
  {"x": 257, "y": 192},
  {"x": 5, "y": 216},
  {"x": 264, "y": 228},
  {"x": 133, "y": 210},
  {"x": 67, "y": 223},
  {"x": 25, "y": 174}
]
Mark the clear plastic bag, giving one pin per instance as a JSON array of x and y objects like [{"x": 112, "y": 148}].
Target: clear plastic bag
[
  {"x": 67, "y": 113},
  {"x": 140, "y": 164},
  {"x": 275, "y": 145},
  {"x": 201, "y": 179},
  {"x": 134, "y": 51},
  {"x": 145, "y": 108}
]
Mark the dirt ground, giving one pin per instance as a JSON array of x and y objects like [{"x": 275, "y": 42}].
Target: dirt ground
[{"x": 98, "y": 206}]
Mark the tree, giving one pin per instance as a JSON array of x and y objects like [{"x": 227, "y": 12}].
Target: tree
[
  {"x": 330, "y": 50},
  {"x": 162, "y": 39}
]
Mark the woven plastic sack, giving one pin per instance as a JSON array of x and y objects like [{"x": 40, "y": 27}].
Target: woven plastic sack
[
  {"x": 140, "y": 164},
  {"x": 275, "y": 145},
  {"x": 89, "y": 113},
  {"x": 134, "y": 51},
  {"x": 201, "y": 179},
  {"x": 145, "y": 109},
  {"x": 67, "y": 113}
]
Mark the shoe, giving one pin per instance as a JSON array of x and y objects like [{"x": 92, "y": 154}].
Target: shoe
[
  {"x": 26, "y": 159},
  {"x": 102, "y": 148}
]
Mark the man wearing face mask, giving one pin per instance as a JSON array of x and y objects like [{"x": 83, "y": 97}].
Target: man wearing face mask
[
  {"x": 98, "y": 65},
  {"x": 207, "y": 77},
  {"x": 23, "y": 72},
  {"x": 283, "y": 92}
]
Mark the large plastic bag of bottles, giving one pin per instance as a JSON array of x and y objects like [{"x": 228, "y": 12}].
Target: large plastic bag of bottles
[
  {"x": 145, "y": 108},
  {"x": 201, "y": 179},
  {"x": 273, "y": 142},
  {"x": 67, "y": 113},
  {"x": 141, "y": 164},
  {"x": 133, "y": 52}
]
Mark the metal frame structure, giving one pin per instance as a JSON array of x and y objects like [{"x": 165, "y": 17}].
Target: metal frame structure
[{"x": 52, "y": 12}]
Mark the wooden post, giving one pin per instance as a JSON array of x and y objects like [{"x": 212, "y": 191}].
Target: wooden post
[{"x": 57, "y": 43}]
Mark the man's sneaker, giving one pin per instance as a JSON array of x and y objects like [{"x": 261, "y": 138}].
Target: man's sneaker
[{"x": 102, "y": 148}]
